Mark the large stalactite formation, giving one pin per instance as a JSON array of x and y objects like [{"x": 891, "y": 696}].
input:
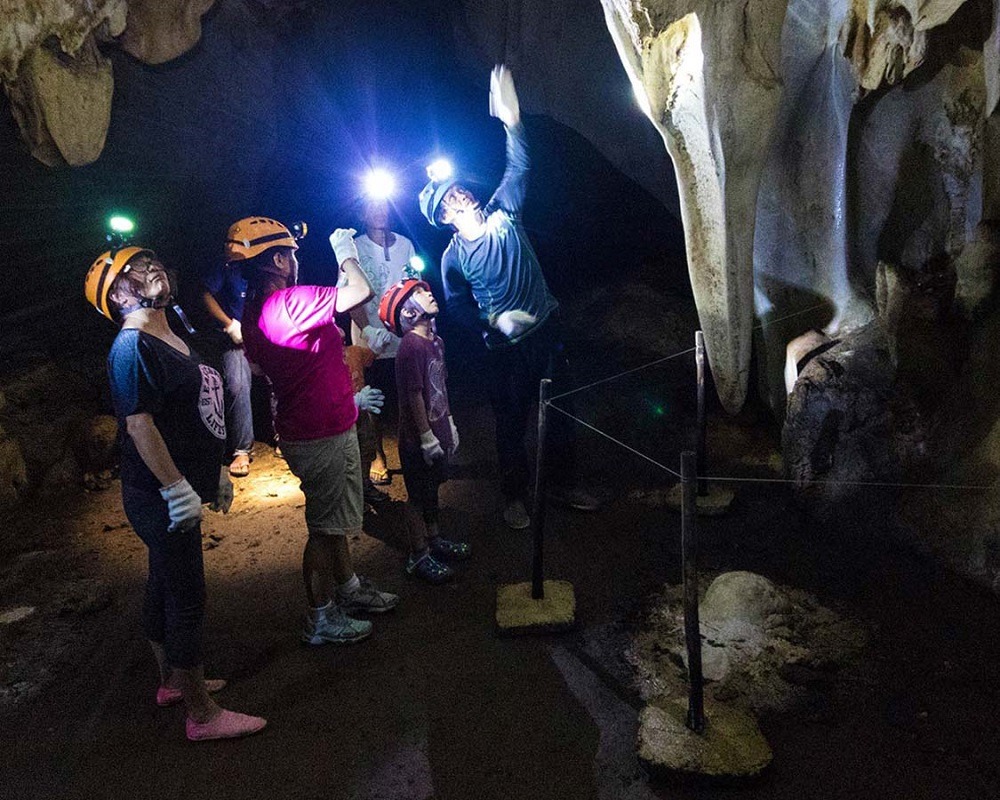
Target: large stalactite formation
[{"x": 835, "y": 164}]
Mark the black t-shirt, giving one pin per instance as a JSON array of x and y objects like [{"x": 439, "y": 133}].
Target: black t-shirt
[{"x": 184, "y": 397}]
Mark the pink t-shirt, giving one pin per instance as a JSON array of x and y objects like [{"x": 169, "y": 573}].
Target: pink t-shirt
[{"x": 300, "y": 348}]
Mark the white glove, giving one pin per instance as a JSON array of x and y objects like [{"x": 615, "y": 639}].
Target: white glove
[
  {"x": 503, "y": 97},
  {"x": 513, "y": 323},
  {"x": 224, "y": 499},
  {"x": 378, "y": 338},
  {"x": 235, "y": 331},
  {"x": 342, "y": 242},
  {"x": 454, "y": 435},
  {"x": 183, "y": 505},
  {"x": 431, "y": 447},
  {"x": 370, "y": 399}
]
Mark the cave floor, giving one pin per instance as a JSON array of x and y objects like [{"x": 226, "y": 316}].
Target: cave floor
[{"x": 435, "y": 704}]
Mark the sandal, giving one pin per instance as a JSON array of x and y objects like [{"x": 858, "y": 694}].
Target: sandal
[
  {"x": 380, "y": 477},
  {"x": 427, "y": 568},
  {"x": 449, "y": 550},
  {"x": 240, "y": 465}
]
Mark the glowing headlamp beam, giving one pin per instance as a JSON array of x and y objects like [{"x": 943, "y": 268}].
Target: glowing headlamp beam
[
  {"x": 440, "y": 170},
  {"x": 119, "y": 224},
  {"x": 380, "y": 184},
  {"x": 417, "y": 264}
]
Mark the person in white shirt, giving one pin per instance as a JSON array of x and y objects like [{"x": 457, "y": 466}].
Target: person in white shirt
[{"x": 383, "y": 255}]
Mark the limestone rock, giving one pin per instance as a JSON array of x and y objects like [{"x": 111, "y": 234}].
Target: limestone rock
[
  {"x": 13, "y": 472},
  {"x": 62, "y": 103},
  {"x": 162, "y": 30}
]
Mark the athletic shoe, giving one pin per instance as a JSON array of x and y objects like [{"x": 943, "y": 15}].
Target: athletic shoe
[
  {"x": 366, "y": 599},
  {"x": 429, "y": 569},
  {"x": 333, "y": 626},
  {"x": 449, "y": 550},
  {"x": 574, "y": 497}
]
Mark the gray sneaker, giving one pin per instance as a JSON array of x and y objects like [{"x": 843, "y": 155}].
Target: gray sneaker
[
  {"x": 367, "y": 600},
  {"x": 515, "y": 515},
  {"x": 333, "y": 626}
]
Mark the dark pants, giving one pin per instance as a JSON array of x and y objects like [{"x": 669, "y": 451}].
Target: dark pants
[
  {"x": 174, "y": 605},
  {"x": 516, "y": 374}
]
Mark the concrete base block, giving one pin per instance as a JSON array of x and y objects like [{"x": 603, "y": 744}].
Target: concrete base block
[
  {"x": 714, "y": 504},
  {"x": 518, "y": 612},
  {"x": 731, "y": 747}
]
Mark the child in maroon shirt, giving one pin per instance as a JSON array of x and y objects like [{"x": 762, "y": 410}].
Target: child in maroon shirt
[{"x": 427, "y": 434}]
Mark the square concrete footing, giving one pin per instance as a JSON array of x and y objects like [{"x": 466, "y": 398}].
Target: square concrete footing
[{"x": 519, "y": 613}]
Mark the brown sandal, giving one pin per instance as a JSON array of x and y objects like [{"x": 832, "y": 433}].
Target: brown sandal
[{"x": 240, "y": 466}]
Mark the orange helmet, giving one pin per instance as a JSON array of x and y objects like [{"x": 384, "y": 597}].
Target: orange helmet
[
  {"x": 251, "y": 236},
  {"x": 394, "y": 298},
  {"x": 102, "y": 274}
]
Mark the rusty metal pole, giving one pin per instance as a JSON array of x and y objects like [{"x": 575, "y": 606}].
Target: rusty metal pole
[
  {"x": 701, "y": 467},
  {"x": 692, "y": 626},
  {"x": 538, "y": 503}
]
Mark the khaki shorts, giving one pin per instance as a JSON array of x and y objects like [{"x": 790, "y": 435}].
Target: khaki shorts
[{"x": 329, "y": 471}]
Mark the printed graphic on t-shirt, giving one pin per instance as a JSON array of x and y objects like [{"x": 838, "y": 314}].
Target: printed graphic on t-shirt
[
  {"x": 210, "y": 404},
  {"x": 437, "y": 393}
]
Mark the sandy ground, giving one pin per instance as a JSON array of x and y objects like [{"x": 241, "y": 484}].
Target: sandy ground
[{"x": 435, "y": 704}]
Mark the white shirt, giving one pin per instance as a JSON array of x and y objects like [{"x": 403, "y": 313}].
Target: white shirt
[{"x": 381, "y": 272}]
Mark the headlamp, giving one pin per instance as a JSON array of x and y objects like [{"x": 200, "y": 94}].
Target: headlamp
[
  {"x": 414, "y": 267},
  {"x": 298, "y": 230},
  {"x": 440, "y": 170},
  {"x": 379, "y": 184},
  {"x": 120, "y": 230}
]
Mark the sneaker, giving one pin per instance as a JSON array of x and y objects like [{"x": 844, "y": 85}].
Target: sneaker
[
  {"x": 333, "y": 626},
  {"x": 449, "y": 550},
  {"x": 374, "y": 496},
  {"x": 368, "y": 599},
  {"x": 574, "y": 498},
  {"x": 429, "y": 569},
  {"x": 515, "y": 515}
]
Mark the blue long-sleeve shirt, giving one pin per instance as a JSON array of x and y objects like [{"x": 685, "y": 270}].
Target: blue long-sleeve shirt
[{"x": 499, "y": 271}]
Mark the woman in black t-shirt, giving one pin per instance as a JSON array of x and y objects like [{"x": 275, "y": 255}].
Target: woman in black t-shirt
[{"x": 171, "y": 433}]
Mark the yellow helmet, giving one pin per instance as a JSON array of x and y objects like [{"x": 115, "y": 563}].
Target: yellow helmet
[
  {"x": 251, "y": 236},
  {"x": 102, "y": 274}
]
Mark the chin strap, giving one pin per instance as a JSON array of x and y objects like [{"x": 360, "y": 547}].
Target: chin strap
[{"x": 147, "y": 302}]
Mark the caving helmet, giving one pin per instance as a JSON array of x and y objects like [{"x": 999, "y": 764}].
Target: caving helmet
[
  {"x": 251, "y": 236},
  {"x": 394, "y": 299},
  {"x": 102, "y": 274}
]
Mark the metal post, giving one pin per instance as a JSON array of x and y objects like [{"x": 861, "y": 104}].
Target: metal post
[
  {"x": 538, "y": 504},
  {"x": 701, "y": 467},
  {"x": 692, "y": 627}
]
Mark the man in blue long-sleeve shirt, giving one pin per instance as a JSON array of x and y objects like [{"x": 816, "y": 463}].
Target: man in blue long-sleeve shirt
[{"x": 494, "y": 283}]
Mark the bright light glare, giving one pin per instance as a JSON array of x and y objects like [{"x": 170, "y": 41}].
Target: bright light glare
[
  {"x": 440, "y": 170},
  {"x": 642, "y": 99},
  {"x": 417, "y": 264},
  {"x": 379, "y": 184},
  {"x": 121, "y": 224}
]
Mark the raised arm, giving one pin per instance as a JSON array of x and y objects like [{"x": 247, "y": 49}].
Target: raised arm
[
  {"x": 355, "y": 289},
  {"x": 504, "y": 106}
]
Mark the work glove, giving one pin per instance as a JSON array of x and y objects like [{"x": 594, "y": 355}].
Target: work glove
[
  {"x": 503, "y": 97},
  {"x": 370, "y": 399},
  {"x": 183, "y": 505},
  {"x": 454, "y": 436},
  {"x": 235, "y": 331},
  {"x": 342, "y": 242},
  {"x": 378, "y": 338},
  {"x": 513, "y": 323},
  {"x": 224, "y": 497},
  {"x": 430, "y": 447}
]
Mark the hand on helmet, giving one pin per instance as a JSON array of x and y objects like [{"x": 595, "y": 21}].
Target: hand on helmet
[
  {"x": 503, "y": 97},
  {"x": 342, "y": 242}
]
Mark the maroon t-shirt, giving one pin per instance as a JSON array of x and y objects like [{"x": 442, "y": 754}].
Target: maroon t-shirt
[{"x": 420, "y": 367}]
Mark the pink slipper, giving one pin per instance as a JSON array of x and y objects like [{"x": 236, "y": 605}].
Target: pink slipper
[
  {"x": 228, "y": 725},
  {"x": 168, "y": 696}
]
